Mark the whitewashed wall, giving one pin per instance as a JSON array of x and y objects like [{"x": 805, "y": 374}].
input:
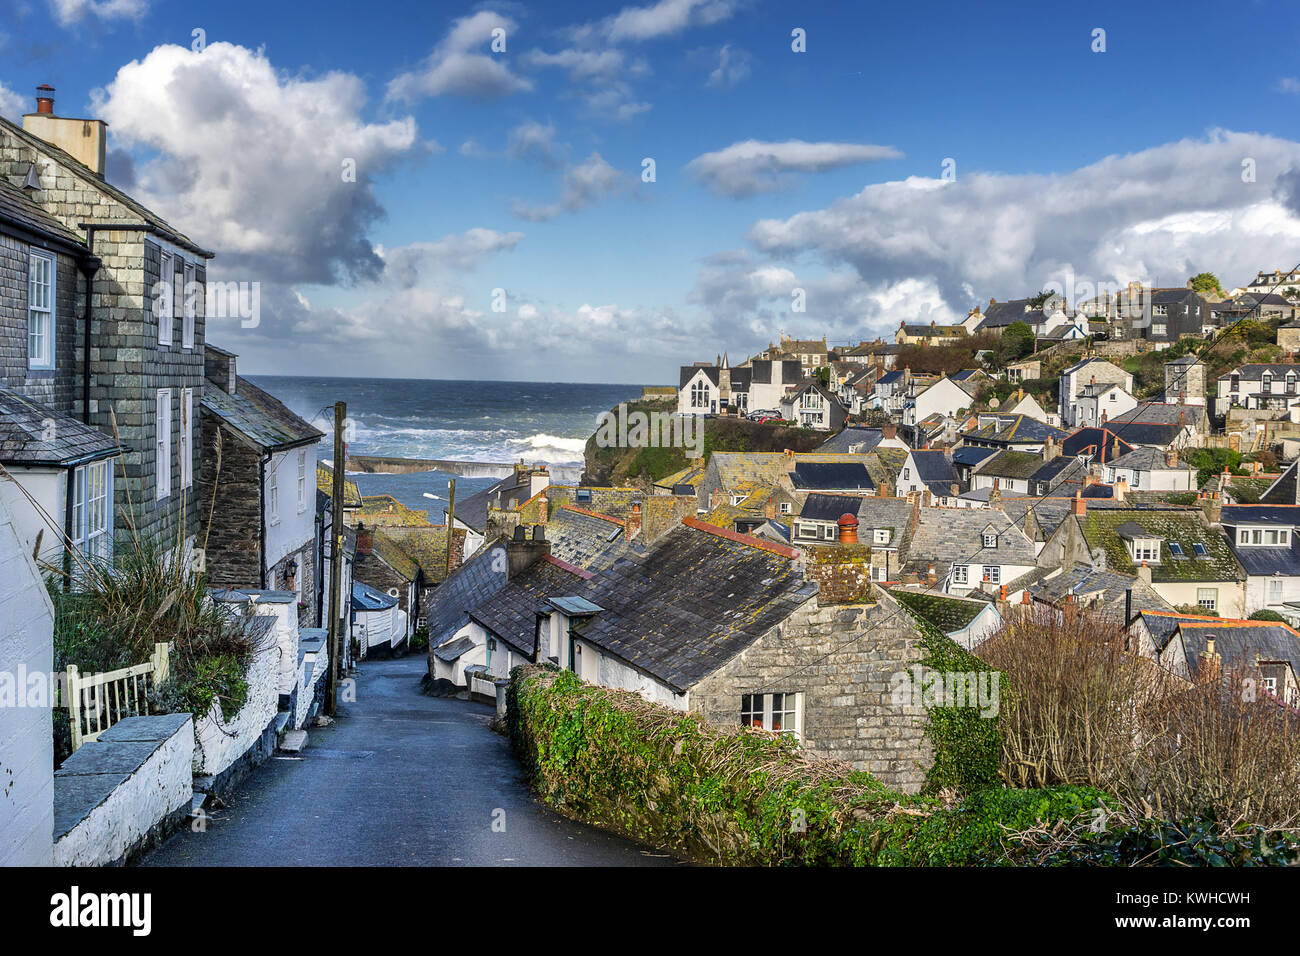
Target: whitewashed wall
[
  {"x": 218, "y": 744},
  {"x": 45, "y": 485},
  {"x": 295, "y": 528},
  {"x": 26, "y": 741}
]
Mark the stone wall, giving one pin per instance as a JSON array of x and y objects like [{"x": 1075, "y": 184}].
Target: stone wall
[
  {"x": 59, "y": 388},
  {"x": 842, "y": 572},
  {"x": 232, "y": 526},
  {"x": 842, "y": 660},
  {"x": 116, "y": 795},
  {"x": 220, "y": 744}
]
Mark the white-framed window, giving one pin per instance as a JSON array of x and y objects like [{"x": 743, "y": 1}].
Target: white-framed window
[
  {"x": 882, "y": 536},
  {"x": 785, "y": 508},
  {"x": 162, "y": 421},
  {"x": 1146, "y": 549},
  {"x": 960, "y": 574},
  {"x": 92, "y": 510},
  {"x": 699, "y": 395},
  {"x": 780, "y": 713},
  {"x": 1275, "y": 591},
  {"x": 990, "y": 540},
  {"x": 40, "y": 310},
  {"x": 992, "y": 574},
  {"x": 829, "y": 531},
  {"x": 302, "y": 480},
  {"x": 166, "y": 299},
  {"x": 1207, "y": 598},
  {"x": 272, "y": 497},
  {"x": 191, "y": 296},
  {"x": 187, "y": 437},
  {"x": 1159, "y": 328}
]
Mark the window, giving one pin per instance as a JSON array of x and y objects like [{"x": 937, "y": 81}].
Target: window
[
  {"x": 907, "y": 472},
  {"x": 699, "y": 395},
  {"x": 1159, "y": 329},
  {"x": 1176, "y": 550},
  {"x": 882, "y": 536},
  {"x": 186, "y": 450},
  {"x": 1199, "y": 548},
  {"x": 1160, "y": 310},
  {"x": 302, "y": 480},
  {"x": 785, "y": 507},
  {"x": 1275, "y": 591},
  {"x": 1235, "y": 383},
  {"x": 92, "y": 510},
  {"x": 828, "y": 532},
  {"x": 191, "y": 294},
  {"x": 992, "y": 574},
  {"x": 959, "y": 574},
  {"x": 272, "y": 498},
  {"x": 162, "y": 422},
  {"x": 1146, "y": 549},
  {"x": 775, "y": 712},
  {"x": 1266, "y": 382},
  {"x": 40, "y": 311},
  {"x": 165, "y": 300},
  {"x": 990, "y": 540},
  {"x": 1207, "y": 598}
]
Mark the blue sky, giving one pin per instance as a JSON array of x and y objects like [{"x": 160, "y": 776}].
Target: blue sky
[{"x": 521, "y": 170}]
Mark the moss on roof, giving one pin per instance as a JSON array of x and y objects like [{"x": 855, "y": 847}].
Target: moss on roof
[
  {"x": 1184, "y": 527},
  {"x": 946, "y": 613},
  {"x": 381, "y": 510},
  {"x": 325, "y": 483}
]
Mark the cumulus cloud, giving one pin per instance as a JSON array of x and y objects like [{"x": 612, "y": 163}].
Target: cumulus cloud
[
  {"x": 585, "y": 184},
  {"x": 733, "y": 66},
  {"x": 253, "y": 164},
  {"x": 600, "y": 77},
  {"x": 68, "y": 12},
  {"x": 1161, "y": 214},
  {"x": 534, "y": 140},
  {"x": 405, "y": 266},
  {"x": 462, "y": 64},
  {"x": 12, "y": 106},
  {"x": 753, "y": 166},
  {"x": 665, "y": 18}
]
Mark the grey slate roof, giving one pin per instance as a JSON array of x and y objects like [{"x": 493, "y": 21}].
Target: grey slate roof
[
  {"x": 1101, "y": 591},
  {"x": 471, "y": 583},
  {"x": 934, "y": 466},
  {"x": 583, "y": 540},
  {"x": 24, "y": 425},
  {"x": 17, "y": 208},
  {"x": 1284, "y": 491},
  {"x": 1147, "y": 458},
  {"x": 511, "y": 613},
  {"x": 847, "y": 440},
  {"x": 1238, "y": 645},
  {"x": 688, "y": 373},
  {"x": 258, "y": 416},
  {"x": 947, "y": 536},
  {"x": 473, "y": 510},
  {"x": 454, "y": 649},
  {"x": 831, "y": 475},
  {"x": 1011, "y": 464}
]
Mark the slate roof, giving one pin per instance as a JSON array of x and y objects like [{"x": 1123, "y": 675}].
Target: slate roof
[
  {"x": 1186, "y": 526},
  {"x": 791, "y": 372},
  {"x": 1284, "y": 490},
  {"x": 506, "y": 493},
  {"x": 160, "y": 225},
  {"x": 511, "y": 612},
  {"x": 426, "y": 546},
  {"x": 934, "y": 466},
  {"x": 1240, "y": 643},
  {"x": 850, "y": 438},
  {"x": 453, "y": 650},
  {"x": 893, "y": 514},
  {"x": 473, "y": 582},
  {"x": 1098, "y": 590},
  {"x": 391, "y": 552},
  {"x": 585, "y": 540},
  {"x": 366, "y": 598},
  {"x": 828, "y": 475},
  {"x": 1021, "y": 430},
  {"x": 972, "y": 454},
  {"x": 24, "y": 425},
  {"x": 1098, "y": 442},
  {"x": 1266, "y": 560},
  {"x": 259, "y": 416},
  {"x": 384, "y": 511},
  {"x": 325, "y": 483},
  {"x": 18, "y": 209},
  {"x": 947, "y": 536},
  {"x": 1001, "y": 314},
  {"x": 1147, "y": 458},
  {"x": 1011, "y": 464},
  {"x": 688, "y": 373},
  {"x": 1287, "y": 515},
  {"x": 1157, "y": 413}
]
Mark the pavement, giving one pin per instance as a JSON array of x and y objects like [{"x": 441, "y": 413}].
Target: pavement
[{"x": 399, "y": 779}]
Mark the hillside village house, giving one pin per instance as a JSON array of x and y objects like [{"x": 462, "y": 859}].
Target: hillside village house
[
  {"x": 144, "y": 323},
  {"x": 1185, "y": 382},
  {"x": 1077, "y": 377},
  {"x": 1150, "y": 469},
  {"x": 1274, "y": 386},
  {"x": 1263, "y": 539},
  {"x": 945, "y": 397},
  {"x": 815, "y": 407},
  {"x": 1040, "y": 317},
  {"x": 258, "y": 485},
  {"x": 931, "y": 334},
  {"x": 957, "y": 550},
  {"x": 932, "y": 471},
  {"x": 1098, "y": 404},
  {"x": 770, "y": 380}
]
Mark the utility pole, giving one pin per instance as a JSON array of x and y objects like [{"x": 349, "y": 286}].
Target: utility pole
[
  {"x": 451, "y": 522},
  {"x": 336, "y": 562}
]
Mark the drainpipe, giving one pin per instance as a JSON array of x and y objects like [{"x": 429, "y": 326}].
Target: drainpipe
[
  {"x": 69, "y": 487},
  {"x": 261, "y": 518}
]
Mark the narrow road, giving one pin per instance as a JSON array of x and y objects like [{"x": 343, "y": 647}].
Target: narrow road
[{"x": 399, "y": 780}]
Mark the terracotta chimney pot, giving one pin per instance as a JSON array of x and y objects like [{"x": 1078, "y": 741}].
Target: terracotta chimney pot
[{"x": 848, "y": 528}]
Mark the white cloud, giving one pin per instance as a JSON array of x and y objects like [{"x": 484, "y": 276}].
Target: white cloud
[
  {"x": 533, "y": 140},
  {"x": 733, "y": 66},
  {"x": 12, "y": 106},
  {"x": 1289, "y": 84},
  {"x": 252, "y": 164},
  {"x": 665, "y": 18},
  {"x": 585, "y": 184},
  {"x": 462, "y": 64},
  {"x": 406, "y": 266},
  {"x": 753, "y": 166},
  {"x": 68, "y": 12}
]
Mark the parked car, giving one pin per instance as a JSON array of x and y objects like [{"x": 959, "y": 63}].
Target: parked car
[{"x": 764, "y": 414}]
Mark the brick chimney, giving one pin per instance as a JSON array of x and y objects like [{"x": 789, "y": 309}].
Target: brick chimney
[
  {"x": 84, "y": 139},
  {"x": 1079, "y": 505},
  {"x": 632, "y": 523},
  {"x": 543, "y": 508},
  {"x": 888, "y": 431},
  {"x": 365, "y": 540},
  {"x": 1171, "y": 457},
  {"x": 1211, "y": 665},
  {"x": 848, "y": 528}
]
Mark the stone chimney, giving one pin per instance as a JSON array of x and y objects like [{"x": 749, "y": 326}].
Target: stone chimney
[
  {"x": 1051, "y": 449},
  {"x": 543, "y": 509},
  {"x": 888, "y": 431},
  {"x": 1211, "y": 664},
  {"x": 219, "y": 368},
  {"x": 1079, "y": 505},
  {"x": 848, "y": 528},
  {"x": 632, "y": 523},
  {"x": 84, "y": 139},
  {"x": 1171, "y": 457},
  {"x": 1144, "y": 573},
  {"x": 523, "y": 552},
  {"x": 1213, "y": 507},
  {"x": 1121, "y": 489}
]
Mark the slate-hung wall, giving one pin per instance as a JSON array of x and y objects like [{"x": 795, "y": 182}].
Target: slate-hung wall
[
  {"x": 127, "y": 364},
  {"x": 58, "y": 388}
]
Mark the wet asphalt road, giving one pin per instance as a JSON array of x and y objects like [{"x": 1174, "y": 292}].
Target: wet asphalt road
[{"x": 399, "y": 780}]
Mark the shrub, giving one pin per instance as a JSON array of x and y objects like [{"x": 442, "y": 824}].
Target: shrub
[{"x": 1266, "y": 615}]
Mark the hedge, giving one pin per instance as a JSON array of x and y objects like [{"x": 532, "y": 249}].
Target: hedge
[{"x": 746, "y": 797}]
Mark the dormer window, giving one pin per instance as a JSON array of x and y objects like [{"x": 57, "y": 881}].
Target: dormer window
[
  {"x": 1269, "y": 537},
  {"x": 882, "y": 536},
  {"x": 990, "y": 539},
  {"x": 1145, "y": 549}
]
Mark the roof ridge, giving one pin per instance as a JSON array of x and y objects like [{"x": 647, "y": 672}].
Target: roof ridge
[
  {"x": 571, "y": 568},
  {"x": 591, "y": 514},
  {"x": 780, "y": 549}
]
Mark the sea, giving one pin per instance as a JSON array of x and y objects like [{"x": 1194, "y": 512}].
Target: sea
[{"x": 540, "y": 422}]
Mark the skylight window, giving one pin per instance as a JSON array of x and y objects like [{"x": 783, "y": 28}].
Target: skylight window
[
  {"x": 1176, "y": 550},
  {"x": 1200, "y": 550}
]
